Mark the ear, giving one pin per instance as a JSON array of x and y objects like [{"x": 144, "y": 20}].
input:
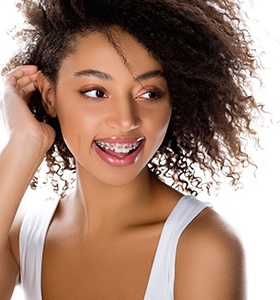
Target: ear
[{"x": 47, "y": 90}]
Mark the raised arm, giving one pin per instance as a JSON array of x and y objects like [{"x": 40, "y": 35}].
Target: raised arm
[{"x": 27, "y": 144}]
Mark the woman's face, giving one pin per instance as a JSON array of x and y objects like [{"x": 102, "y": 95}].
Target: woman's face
[{"x": 113, "y": 115}]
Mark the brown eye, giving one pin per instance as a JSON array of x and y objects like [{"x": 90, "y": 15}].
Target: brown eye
[
  {"x": 94, "y": 93},
  {"x": 152, "y": 95}
]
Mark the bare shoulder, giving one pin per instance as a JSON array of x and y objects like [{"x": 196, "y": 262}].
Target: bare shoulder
[{"x": 209, "y": 261}]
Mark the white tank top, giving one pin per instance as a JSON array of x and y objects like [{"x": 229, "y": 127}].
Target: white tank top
[{"x": 161, "y": 280}]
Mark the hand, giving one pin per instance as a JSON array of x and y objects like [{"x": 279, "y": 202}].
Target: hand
[{"x": 17, "y": 117}]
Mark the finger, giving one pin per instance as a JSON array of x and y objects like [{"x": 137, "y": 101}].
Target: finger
[
  {"x": 26, "y": 80},
  {"x": 23, "y": 70},
  {"x": 13, "y": 77},
  {"x": 23, "y": 85},
  {"x": 27, "y": 89},
  {"x": 22, "y": 91}
]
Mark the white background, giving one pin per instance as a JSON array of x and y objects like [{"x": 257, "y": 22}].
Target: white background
[{"x": 254, "y": 210}]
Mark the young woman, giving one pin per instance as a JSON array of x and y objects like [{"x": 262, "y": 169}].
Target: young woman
[{"x": 130, "y": 96}]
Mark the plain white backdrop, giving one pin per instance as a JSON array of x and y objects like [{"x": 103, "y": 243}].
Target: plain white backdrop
[{"x": 254, "y": 210}]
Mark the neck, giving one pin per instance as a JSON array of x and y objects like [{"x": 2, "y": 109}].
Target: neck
[{"x": 100, "y": 204}]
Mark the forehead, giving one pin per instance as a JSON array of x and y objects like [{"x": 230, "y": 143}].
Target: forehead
[{"x": 113, "y": 49}]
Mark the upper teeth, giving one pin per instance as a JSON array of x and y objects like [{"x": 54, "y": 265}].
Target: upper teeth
[{"x": 117, "y": 147}]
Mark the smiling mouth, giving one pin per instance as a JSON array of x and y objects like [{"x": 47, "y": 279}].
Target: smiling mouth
[{"x": 119, "y": 149}]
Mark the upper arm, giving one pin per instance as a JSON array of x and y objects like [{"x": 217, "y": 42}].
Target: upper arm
[
  {"x": 9, "y": 271},
  {"x": 209, "y": 262}
]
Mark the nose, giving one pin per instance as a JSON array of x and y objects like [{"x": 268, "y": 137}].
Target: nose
[{"x": 123, "y": 115}]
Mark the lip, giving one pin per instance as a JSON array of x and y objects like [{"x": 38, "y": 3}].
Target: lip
[{"x": 119, "y": 159}]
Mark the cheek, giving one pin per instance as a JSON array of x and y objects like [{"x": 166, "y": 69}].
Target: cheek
[
  {"x": 162, "y": 117},
  {"x": 158, "y": 123},
  {"x": 78, "y": 127}
]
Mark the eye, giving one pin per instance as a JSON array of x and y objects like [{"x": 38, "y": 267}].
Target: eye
[
  {"x": 152, "y": 95},
  {"x": 94, "y": 93}
]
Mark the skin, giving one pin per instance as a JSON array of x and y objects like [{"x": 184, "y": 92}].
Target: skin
[{"x": 103, "y": 237}]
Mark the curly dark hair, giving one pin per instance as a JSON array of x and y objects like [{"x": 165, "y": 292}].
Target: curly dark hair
[{"x": 208, "y": 60}]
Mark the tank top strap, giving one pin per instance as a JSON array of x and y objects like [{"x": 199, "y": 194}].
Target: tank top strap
[
  {"x": 161, "y": 281},
  {"x": 31, "y": 244}
]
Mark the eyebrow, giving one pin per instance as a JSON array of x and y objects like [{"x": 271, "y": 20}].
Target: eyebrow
[
  {"x": 94, "y": 73},
  {"x": 108, "y": 77},
  {"x": 149, "y": 75}
]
